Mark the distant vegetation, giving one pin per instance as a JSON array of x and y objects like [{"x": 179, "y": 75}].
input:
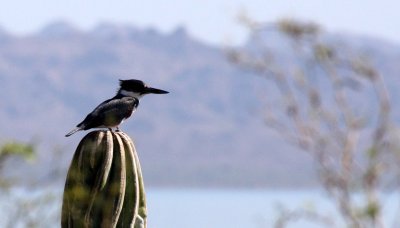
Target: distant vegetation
[
  {"x": 12, "y": 149},
  {"x": 332, "y": 102},
  {"x": 22, "y": 209}
]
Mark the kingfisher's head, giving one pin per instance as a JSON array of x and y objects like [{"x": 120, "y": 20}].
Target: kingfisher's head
[{"x": 136, "y": 88}]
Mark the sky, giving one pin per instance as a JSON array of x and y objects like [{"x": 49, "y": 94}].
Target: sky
[{"x": 212, "y": 21}]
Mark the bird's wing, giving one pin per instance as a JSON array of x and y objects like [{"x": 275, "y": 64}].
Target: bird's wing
[{"x": 109, "y": 113}]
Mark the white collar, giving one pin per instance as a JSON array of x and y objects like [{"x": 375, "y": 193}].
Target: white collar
[{"x": 130, "y": 94}]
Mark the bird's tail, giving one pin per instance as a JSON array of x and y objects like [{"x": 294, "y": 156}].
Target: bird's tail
[{"x": 73, "y": 131}]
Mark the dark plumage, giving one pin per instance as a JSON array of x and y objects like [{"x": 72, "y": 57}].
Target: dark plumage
[{"x": 113, "y": 111}]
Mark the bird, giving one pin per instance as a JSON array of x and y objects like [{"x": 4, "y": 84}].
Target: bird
[{"x": 112, "y": 112}]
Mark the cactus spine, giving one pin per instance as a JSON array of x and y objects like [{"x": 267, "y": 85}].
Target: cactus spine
[{"x": 104, "y": 185}]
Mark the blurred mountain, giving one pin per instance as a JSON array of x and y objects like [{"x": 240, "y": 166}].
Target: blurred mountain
[{"x": 208, "y": 131}]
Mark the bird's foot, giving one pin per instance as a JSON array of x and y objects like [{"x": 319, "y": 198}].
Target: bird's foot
[{"x": 117, "y": 130}]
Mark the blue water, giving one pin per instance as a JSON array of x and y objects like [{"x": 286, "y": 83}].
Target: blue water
[
  {"x": 183, "y": 208},
  {"x": 227, "y": 208}
]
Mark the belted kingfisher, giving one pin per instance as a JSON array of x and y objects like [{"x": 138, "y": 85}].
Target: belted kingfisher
[{"x": 113, "y": 111}]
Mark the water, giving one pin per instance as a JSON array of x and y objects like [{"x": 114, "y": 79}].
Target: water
[
  {"x": 225, "y": 208},
  {"x": 182, "y": 208}
]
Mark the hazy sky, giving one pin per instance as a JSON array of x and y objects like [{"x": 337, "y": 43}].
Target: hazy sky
[{"x": 209, "y": 20}]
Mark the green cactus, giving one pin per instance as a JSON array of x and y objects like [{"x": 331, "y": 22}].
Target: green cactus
[{"x": 104, "y": 186}]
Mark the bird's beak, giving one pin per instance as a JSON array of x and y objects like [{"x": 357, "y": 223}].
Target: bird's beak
[{"x": 155, "y": 91}]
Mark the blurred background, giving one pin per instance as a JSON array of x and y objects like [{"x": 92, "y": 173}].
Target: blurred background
[{"x": 280, "y": 114}]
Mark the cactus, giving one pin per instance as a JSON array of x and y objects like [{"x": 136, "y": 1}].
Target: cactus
[{"x": 104, "y": 185}]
